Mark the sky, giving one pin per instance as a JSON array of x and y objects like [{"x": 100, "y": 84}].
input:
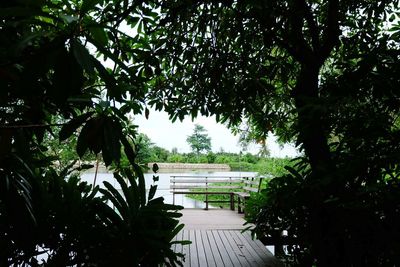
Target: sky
[{"x": 168, "y": 135}]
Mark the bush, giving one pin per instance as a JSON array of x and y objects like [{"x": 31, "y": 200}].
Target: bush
[
  {"x": 175, "y": 158},
  {"x": 273, "y": 166},
  {"x": 211, "y": 157},
  {"x": 75, "y": 225},
  {"x": 250, "y": 158}
]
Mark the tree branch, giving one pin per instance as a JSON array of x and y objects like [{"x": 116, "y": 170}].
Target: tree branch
[
  {"x": 331, "y": 33},
  {"x": 312, "y": 24},
  {"x": 295, "y": 34},
  {"x": 7, "y": 126}
]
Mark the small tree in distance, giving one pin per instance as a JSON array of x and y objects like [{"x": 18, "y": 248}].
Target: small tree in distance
[{"x": 199, "y": 140}]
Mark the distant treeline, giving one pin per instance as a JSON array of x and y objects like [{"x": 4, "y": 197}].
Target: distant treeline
[{"x": 237, "y": 161}]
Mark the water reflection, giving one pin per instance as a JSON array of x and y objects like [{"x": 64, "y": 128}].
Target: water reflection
[{"x": 164, "y": 183}]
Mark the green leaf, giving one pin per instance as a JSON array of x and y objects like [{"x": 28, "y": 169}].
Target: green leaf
[
  {"x": 88, "y": 5},
  {"x": 294, "y": 172},
  {"x": 68, "y": 129},
  {"x": 99, "y": 34},
  {"x": 117, "y": 200},
  {"x": 83, "y": 56},
  {"x": 112, "y": 131},
  {"x": 129, "y": 194},
  {"x": 69, "y": 19},
  {"x": 177, "y": 230},
  {"x": 392, "y": 18},
  {"x": 141, "y": 184},
  {"x": 82, "y": 145},
  {"x": 152, "y": 191},
  {"x": 155, "y": 168},
  {"x": 128, "y": 150}
]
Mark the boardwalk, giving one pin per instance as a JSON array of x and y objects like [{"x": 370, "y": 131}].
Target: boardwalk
[{"x": 217, "y": 241}]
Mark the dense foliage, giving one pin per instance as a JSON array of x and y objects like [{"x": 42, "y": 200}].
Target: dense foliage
[
  {"x": 55, "y": 88},
  {"x": 322, "y": 73}
]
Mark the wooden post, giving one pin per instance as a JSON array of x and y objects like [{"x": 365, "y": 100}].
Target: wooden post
[
  {"x": 239, "y": 207},
  {"x": 173, "y": 191},
  {"x": 279, "y": 252},
  {"x": 206, "y": 193},
  {"x": 259, "y": 184}
]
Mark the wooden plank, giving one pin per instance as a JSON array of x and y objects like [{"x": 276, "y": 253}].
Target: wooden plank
[
  {"x": 246, "y": 250},
  {"x": 259, "y": 258},
  {"x": 178, "y": 247},
  {"x": 181, "y": 181},
  {"x": 228, "y": 240},
  {"x": 207, "y": 248},
  {"x": 252, "y": 189},
  {"x": 214, "y": 249},
  {"x": 204, "y": 187},
  {"x": 194, "y": 259},
  {"x": 186, "y": 249},
  {"x": 201, "y": 193},
  {"x": 208, "y": 177},
  {"x": 200, "y": 249},
  {"x": 242, "y": 194},
  {"x": 229, "y": 259},
  {"x": 251, "y": 182},
  {"x": 259, "y": 247}
]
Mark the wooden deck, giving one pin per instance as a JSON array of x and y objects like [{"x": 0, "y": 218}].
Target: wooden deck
[{"x": 217, "y": 241}]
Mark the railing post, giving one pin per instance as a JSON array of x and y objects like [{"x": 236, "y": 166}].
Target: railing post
[
  {"x": 279, "y": 251},
  {"x": 173, "y": 190},
  {"x": 206, "y": 193}
]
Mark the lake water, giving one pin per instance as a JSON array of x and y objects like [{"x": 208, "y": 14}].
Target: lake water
[{"x": 164, "y": 183}]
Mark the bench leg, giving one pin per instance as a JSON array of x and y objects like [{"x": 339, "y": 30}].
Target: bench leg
[
  {"x": 173, "y": 199},
  {"x": 239, "y": 205},
  {"x": 206, "y": 202},
  {"x": 232, "y": 202}
]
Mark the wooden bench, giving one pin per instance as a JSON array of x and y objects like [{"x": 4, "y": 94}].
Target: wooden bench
[
  {"x": 250, "y": 184},
  {"x": 201, "y": 185}
]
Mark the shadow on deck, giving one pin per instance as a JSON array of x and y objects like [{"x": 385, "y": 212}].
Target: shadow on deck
[{"x": 217, "y": 241}]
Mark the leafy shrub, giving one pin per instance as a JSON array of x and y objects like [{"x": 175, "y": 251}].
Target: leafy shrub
[
  {"x": 211, "y": 157},
  {"x": 75, "y": 225},
  {"x": 273, "y": 166},
  {"x": 175, "y": 158}
]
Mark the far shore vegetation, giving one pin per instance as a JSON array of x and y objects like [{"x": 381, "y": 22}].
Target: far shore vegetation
[{"x": 148, "y": 152}]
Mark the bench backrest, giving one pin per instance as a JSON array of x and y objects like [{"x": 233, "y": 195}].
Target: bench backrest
[
  {"x": 188, "y": 182},
  {"x": 252, "y": 184}
]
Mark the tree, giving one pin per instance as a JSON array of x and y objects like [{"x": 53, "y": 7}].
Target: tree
[
  {"x": 56, "y": 88},
  {"x": 251, "y": 134},
  {"x": 199, "y": 140},
  {"x": 144, "y": 149},
  {"x": 321, "y": 73}
]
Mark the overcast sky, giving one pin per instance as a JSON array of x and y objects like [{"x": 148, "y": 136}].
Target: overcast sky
[{"x": 168, "y": 135}]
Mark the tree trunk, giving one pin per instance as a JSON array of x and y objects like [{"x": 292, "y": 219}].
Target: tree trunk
[
  {"x": 310, "y": 124},
  {"x": 314, "y": 141}
]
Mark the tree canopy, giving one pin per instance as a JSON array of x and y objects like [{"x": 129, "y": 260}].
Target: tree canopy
[
  {"x": 321, "y": 73},
  {"x": 70, "y": 74},
  {"x": 199, "y": 140},
  {"x": 324, "y": 74}
]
